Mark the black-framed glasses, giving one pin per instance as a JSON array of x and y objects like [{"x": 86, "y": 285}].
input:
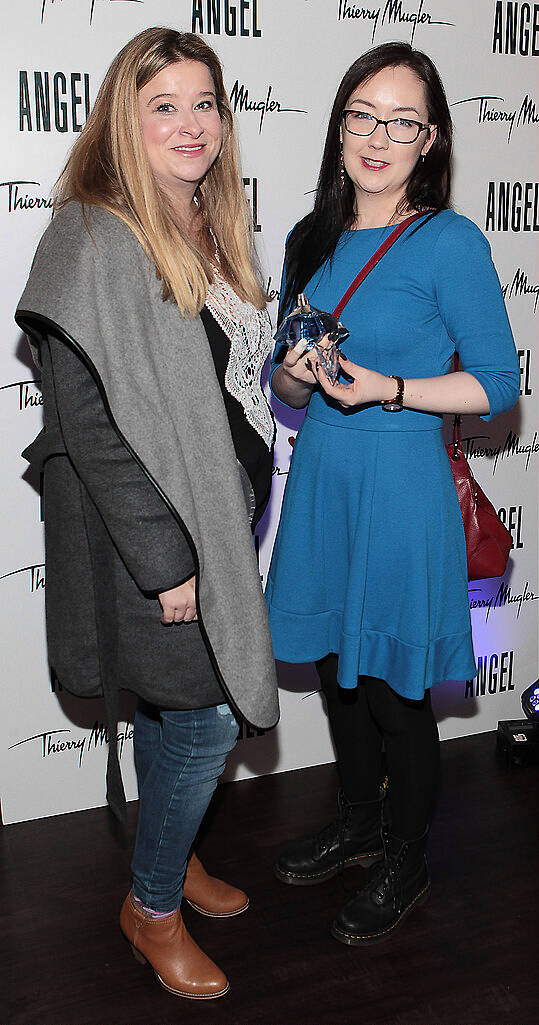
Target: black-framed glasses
[{"x": 399, "y": 129}]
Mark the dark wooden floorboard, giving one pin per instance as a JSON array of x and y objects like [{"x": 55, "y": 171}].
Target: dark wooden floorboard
[{"x": 468, "y": 957}]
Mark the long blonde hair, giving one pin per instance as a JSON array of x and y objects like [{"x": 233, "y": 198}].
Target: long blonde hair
[{"x": 108, "y": 167}]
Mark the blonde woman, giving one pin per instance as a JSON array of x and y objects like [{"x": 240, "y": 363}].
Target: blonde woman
[{"x": 148, "y": 316}]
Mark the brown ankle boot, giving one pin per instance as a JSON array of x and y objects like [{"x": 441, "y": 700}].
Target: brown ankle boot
[
  {"x": 178, "y": 962},
  {"x": 209, "y": 895}
]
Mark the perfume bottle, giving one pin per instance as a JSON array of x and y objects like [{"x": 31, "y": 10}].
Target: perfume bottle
[
  {"x": 304, "y": 329},
  {"x": 530, "y": 701}
]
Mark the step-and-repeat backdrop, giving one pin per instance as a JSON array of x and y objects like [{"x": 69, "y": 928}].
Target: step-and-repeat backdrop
[{"x": 282, "y": 61}]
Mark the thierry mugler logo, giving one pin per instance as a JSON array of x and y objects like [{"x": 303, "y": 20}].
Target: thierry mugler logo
[
  {"x": 18, "y": 198},
  {"x": 512, "y": 446},
  {"x": 28, "y": 396},
  {"x": 55, "y": 742},
  {"x": 47, "y": 4},
  {"x": 516, "y": 597},
  {"x": 516, "y": 117},
  {"x": 239, "y": 100},
  {"x": 271, "y": 292},
  {"x": 521, "y": 285},
  {"x": 36, "y": 576},
  {"x": 392, "y": 12},
  {"x": 278, "y": 471}
]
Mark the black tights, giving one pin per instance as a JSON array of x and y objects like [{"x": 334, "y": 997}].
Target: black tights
[{"x": 373, "y": 718}]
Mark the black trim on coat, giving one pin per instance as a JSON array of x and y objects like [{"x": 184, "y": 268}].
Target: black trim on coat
[{"x": 28, "y": 321}]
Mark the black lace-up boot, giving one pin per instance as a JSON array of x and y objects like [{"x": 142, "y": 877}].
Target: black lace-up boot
[
  {"x": 398, "y": 885},
  {"x": 353, "y": 838}
]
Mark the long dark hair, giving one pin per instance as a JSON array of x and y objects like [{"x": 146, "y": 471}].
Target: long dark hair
[{"x": 314, "y": 239}]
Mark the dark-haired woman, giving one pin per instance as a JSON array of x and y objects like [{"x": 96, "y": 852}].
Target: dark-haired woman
[{"x": 368, "y": 575}]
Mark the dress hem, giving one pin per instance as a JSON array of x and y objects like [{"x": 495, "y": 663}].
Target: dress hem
[{"x": 409, "y": 669}]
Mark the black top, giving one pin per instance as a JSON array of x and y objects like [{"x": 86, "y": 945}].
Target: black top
[{"x": 251, "y": 450}]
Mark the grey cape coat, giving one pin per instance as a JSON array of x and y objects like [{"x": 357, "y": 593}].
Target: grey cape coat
[{"x": 119, "y": 362}]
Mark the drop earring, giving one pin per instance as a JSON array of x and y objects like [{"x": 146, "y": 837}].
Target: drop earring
[{"x": 342, "y": 171}]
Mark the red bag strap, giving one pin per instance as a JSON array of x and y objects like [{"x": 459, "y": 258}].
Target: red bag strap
[
  {"x": 381, "y": 251},
  {"x": 457, "y": 422},
  {"x": 457, "y": 435}
]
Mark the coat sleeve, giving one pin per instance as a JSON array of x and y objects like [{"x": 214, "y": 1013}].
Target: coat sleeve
[
  {"x": 472, "y": 308},
  {"x": 144, "y": 530}
]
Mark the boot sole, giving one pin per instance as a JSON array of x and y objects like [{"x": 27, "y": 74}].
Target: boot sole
[
  {"x": 139, "y": 956},
  {"x": 217, "y": 914},
  {"x": 192, "y": 996},
  {"x": 352, "y": 940},
  {"x": 294, "y": 879}
]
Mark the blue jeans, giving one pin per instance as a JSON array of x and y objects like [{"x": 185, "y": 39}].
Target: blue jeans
[{"x": 179, "y": 757}]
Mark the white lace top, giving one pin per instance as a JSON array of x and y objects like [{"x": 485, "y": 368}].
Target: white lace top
[{"x": 249, "y": 333}]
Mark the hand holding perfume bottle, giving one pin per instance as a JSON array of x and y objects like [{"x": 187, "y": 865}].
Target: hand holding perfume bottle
[{"x": 304, "y": 329}]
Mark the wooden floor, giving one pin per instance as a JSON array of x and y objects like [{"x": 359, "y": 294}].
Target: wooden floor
[{"x": 468, "y": 957}]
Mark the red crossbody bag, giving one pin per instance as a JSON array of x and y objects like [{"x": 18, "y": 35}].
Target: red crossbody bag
[{"x": 488, "y": 542}]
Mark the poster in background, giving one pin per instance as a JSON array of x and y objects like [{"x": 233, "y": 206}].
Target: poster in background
[{"x": 282, "y": 64}]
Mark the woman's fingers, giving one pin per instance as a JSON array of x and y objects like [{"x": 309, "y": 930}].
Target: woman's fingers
[
  {"x": 351, "y": 369},
  {"x": 342, "y": 393},
  {"x": 324, "y": 342},
  {"x": 295, "y": 354},
  {"x": 167, "y": 609},
  {"x": 179, "y": 604},
  {"x": 305, "y": 367},
  {"x": 366, "y": 386},
  {"x": 301, "y": 346},
  {"x": 171, "y": 613},
  {"x": 299, "y": 365},
  {"x": 188, "y": 616},
  {"x": 182, "y": 613}
]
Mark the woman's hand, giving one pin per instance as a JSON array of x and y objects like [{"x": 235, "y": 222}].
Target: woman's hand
[
  {"x": 366, "y": 386},
  {"x": 294, "y": 381},
  {"x": 298, "y": 365},
  {"x": 459, "y": 392},
  {"x": 179, "y": 604}
]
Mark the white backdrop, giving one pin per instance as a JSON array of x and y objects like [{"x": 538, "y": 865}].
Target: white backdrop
[{"x": 282, "y": 61}]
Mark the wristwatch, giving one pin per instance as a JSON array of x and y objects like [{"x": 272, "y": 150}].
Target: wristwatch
[{"x": 395, "y": 405}]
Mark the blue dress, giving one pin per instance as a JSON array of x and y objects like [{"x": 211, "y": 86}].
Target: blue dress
[{"x": 369, "y": 559}]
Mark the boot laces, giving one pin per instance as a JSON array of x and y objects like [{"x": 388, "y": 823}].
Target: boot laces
[
  {"x": 326, "y": 837},
  {"x": 335, "y": 830},
  {"x": 345, "y": 813},
  {"x": 386, "y": 880}
]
